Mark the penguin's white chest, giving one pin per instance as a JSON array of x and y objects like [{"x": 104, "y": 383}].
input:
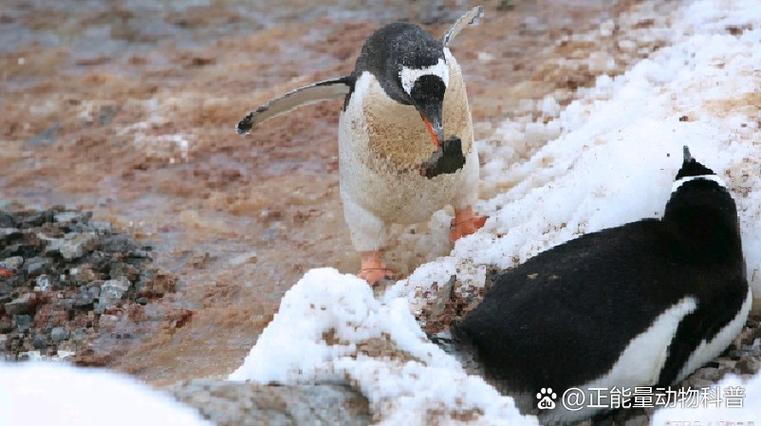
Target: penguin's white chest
[{"x": 383, "y": 143}]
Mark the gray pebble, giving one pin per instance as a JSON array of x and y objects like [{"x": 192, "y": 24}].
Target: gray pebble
[
  {"x": 36, "y": 265},
  {"x": 23, "y": 322},
  {"x": 59, "y": 334},
  {"x": 13, "y": 263},
  {"x": 23, "y": 304},
  {"x": 111, "y": 293}
]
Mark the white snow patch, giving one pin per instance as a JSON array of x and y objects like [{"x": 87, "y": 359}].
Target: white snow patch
[
  {"x": 35, "y": 393},
  {"x": 330, "y": 328},
  {"x": 746, "y": 412}
]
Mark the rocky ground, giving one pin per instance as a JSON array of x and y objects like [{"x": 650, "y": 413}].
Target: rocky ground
[
  {"x": 234, "y": 403},
  {"x": 65, "y": 280}
]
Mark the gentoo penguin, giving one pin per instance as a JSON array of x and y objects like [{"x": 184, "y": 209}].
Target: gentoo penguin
[
  {"x": 403, "y": 101},
  {"x": 643, "y": 304}
]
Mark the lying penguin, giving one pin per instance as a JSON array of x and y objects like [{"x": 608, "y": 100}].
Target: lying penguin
[
  {"x": 405, "y": 98},
  {"x": 643, "y": 304}
]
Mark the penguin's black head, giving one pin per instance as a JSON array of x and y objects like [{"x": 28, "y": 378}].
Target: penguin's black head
[
  {"x": 411, "y": 67},
  {"x": 701, "y": 210}
]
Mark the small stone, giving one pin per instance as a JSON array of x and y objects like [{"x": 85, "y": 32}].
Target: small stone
[
  {"x": 5, "y": 325},
  {"x": 83, "y": 274},
  {"x": 65, "y": 304},
  {"x": 6, "y": 220},
  {"x": 8, "y": 233},
  {"x": 443, "y": 296},
  {"x": 126, "y": 270},
  {"x": 756, "y": 333},
  {"x": 697, "y": 383},
  {"x": 39, "y": 342},
  {"x": 59, "y": 334},
  {"x": 708, "y": 373},
  {"x": 156, "y": 284},
  {"x": 12, "y": 263},
  {"x": 72, "y": 216},
  {"x": 108, "y": 322},
  {"x": 86, "y": 297},
  {"x": 142, "y": 300},
  {"x": 23, "y": 304},
  {"x": 36, "y": 219},
  {"x": 36, "y": 265},
  {"x": 6, "y": 291},
  {"x": 101, "y": 227},
  {"x": 117, "y": 244},
  {"x": 76, "y": 246},
  {"x": 30, "y": 356},
  {"x": 748, "y": 365},
  {"x": 23, "y": 322},
  {"x": 43, "y": 283},
  {"x": 111, "y": 293},
  {"x": 140, "y": 254}
]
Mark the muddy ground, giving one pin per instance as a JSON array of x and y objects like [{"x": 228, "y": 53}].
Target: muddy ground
[{"x": 127, "y": 109}]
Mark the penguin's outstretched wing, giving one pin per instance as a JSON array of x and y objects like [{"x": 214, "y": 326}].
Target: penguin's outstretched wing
[
  {"x": 470, "y": 18},
  {"x": 324, "y": 90}
]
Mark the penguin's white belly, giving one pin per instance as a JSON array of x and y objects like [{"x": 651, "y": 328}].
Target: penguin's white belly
[
  {"x": 382, "y": 145},
  {"x": 639, "y": 364},
  {"x": 402, "y": 196}
]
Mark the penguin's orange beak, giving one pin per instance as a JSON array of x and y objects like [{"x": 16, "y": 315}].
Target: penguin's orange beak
[{"x": 433, "y": 132}]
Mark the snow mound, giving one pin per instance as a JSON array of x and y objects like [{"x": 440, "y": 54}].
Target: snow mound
[
  {"x": 616, "y": 151},
  {"x": 746, "y": 412},
  {"x": 330, "y": 328},
  {"x": 54, "y": 394}
]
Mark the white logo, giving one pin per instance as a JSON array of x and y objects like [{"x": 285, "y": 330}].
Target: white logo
[{"x": 546, "y": 399}]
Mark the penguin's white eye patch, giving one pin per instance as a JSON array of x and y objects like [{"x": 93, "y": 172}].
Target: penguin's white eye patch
[
  {"x": 678, "y": 184},
  {"x": 409, "y": 76}
]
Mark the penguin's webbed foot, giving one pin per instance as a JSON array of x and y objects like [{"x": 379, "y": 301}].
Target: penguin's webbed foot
[
  {"x": 465, "y": 222},
  {"x": 372, "y": 268}
]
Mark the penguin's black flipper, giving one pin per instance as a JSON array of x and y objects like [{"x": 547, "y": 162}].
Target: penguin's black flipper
[
  {"x": 324, "y": 90},
  {"x": 472, "y": 17}
]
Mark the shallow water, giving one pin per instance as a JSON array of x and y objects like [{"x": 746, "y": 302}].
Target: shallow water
[{"x": 128, "y": 110}]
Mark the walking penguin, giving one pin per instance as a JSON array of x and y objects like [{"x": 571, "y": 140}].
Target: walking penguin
[
  {"x": 405, "y": 137},
  {"x": 643, "y": 304}
]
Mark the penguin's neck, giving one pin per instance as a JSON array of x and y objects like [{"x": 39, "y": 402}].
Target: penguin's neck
[{"x": 705, "y": 231}]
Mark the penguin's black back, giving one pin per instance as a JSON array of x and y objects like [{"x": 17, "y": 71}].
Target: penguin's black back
[{"x": 564, "y": 317}]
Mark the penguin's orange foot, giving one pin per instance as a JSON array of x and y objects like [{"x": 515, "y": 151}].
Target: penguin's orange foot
[
  {"x": 465, "y": 222},
  {"x": 372, "y": 268}
]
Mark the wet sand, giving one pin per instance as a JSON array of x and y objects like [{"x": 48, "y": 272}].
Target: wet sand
[{"x": 128, "y": 110}]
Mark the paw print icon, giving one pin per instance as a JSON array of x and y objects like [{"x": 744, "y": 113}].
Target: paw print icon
[{"x": 546, "y": 399}]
